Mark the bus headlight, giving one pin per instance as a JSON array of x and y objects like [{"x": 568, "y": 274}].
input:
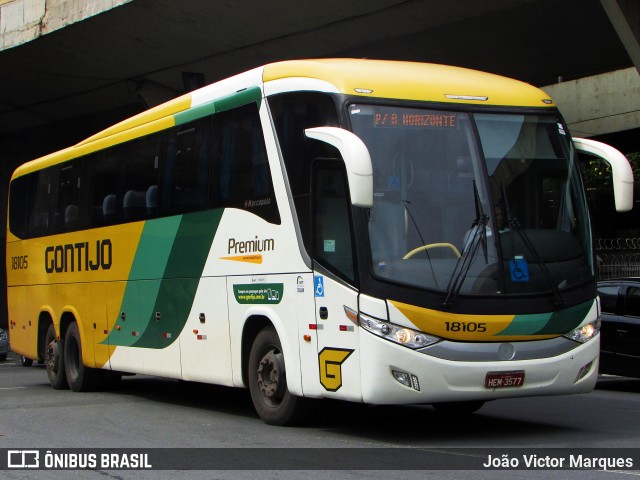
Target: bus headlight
[
  {"x": 395, "y": 333},
  {"x": 584, "y": 333}
]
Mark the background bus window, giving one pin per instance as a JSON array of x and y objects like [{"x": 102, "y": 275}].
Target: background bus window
[
  {"x": 632, "y": 302},
  {"x": 608, "y": 298}
]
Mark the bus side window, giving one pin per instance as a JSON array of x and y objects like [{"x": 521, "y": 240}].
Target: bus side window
[
  {"x": 141, "y": 163},
  {"x": 102, "y": 169},
  {"x": 332, "y": 241},
  {"x": 187, "y": 169},
  {"x": 240, "y": 173},
  {"x": 43, "y": 185},
  {"x": 67, "y": 213},
  {"x": 292, "y": 113},
  {"x": 19, "y": 199}
]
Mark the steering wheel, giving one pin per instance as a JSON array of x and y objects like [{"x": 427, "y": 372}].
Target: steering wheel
[{"x": 423, "y": 248}]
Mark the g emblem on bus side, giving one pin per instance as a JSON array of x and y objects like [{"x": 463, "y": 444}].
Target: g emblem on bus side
[{"x": 331, "y": 360}]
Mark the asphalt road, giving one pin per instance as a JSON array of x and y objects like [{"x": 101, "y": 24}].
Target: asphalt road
[{"x": 148, "y": 412}]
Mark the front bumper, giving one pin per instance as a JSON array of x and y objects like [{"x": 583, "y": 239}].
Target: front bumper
[{"x": 445, "y": 380}]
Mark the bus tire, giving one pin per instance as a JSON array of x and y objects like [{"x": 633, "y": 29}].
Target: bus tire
[
  {"x": 54, "y": 359},
  {"x": 459, "y": 408},
  {"x": 79, "y": 377},
  {"x": 268, "y": 381}
]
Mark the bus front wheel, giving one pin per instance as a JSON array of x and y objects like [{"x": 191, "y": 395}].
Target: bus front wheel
[
  {"x": 80, "y": 377},
  {"x": 54, "y": 359},
  {"x": 268, "y": 381}
]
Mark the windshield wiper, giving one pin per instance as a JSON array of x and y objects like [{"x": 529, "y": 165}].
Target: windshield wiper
[
  {"x": 514, "y": 224},
  {"x": 463, "y": 265},
  {"x": 406, "y": 204}
]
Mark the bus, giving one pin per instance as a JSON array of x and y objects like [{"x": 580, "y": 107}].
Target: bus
[{"x": 372, "y": 231}]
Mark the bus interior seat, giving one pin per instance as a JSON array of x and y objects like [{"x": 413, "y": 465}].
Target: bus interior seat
[
  {"x": 134, "y": 204},
  {"x": 71, "y": 216},
  {"x": 152, "y": 200},
  {"x": 109, "y": 208}
]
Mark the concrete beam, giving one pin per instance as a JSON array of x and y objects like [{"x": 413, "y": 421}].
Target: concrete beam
[
  {"x": 625, "y": 17},
  {"x": 22, "y": 21},
  {"x": 601, "y": 104}
]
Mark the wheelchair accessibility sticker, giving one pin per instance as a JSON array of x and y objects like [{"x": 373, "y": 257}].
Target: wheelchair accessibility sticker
[
  {"x": 318, "y": 285},
  {"x": 519, "y": 269}
]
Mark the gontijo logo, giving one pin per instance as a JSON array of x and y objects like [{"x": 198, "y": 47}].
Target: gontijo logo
[{"x": 78, "y": 257}]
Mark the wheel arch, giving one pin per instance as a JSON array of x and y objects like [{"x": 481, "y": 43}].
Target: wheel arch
[
  {"x": 254, "y": 323},
  {"x": 44, "y": 320},
  {"x": 252, "y": 326}
]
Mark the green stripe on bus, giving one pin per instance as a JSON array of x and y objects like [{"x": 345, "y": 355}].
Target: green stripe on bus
[
  {"x": 150, "y": 261},
  {"x": 564, "y": 321},
  {"x": 553, "y": 323},
  {"x": 169, "y": 309},
  {"x": 243, "y": 97}
]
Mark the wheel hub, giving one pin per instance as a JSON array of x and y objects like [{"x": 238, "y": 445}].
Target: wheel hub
[
  {"x": 51, "y": 356},
  {"x": 271, "y": 376}
]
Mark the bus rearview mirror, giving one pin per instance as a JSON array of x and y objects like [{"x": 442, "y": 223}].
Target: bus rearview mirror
[
  {"x": 620, "y": 170},
  {"x": 356, "y": 159}
]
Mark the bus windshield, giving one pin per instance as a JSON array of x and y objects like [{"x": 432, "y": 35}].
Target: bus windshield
[{"x": 474, "y": 203}]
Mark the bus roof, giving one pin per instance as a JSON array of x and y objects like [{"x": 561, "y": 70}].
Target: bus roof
[
  {"x": 359, "y": 77},
  {"x": 412, "y": 81}
]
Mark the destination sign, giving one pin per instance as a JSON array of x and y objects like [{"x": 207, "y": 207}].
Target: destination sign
[{"x": 388, "y": 118}]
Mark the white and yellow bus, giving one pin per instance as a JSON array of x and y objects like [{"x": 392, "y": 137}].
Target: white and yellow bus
[{"x": 371, "y": 231}]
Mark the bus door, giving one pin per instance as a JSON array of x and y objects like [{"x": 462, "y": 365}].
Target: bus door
[{"x": 336, "y": 301}]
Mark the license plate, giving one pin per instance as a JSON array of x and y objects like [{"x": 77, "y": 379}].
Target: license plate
[{"x": 504, "y": 379}]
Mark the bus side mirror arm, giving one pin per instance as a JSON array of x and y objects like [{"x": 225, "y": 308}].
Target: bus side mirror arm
[
  {"x": 356, "y": 159},
  {"x": 620, "y": 170}
]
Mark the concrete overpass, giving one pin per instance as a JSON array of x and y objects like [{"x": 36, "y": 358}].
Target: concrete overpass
[{"x": 71, "y": 67}]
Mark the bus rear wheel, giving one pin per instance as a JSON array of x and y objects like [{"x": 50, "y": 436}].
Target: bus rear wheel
[
  {"x": 54, "y": 359},
  {"x": 268, "y": 381},
  {"x": 25, "y": 361},
  {"x": 79, "y": 377}
]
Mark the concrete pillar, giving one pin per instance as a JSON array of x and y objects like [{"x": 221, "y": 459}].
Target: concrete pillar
[
  {"x": 625, "y": 17},
  {"x": 601, "y": 104}
]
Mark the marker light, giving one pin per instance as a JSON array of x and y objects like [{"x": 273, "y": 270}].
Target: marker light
[
  {"x": 395, "y": 333},
  {"x": 402, "y": 377},
  {"x": 584, "y": 333},
  {"x": 583, "y": 371}
]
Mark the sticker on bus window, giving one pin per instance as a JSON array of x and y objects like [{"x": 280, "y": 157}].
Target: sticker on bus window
[
  {"x": 519, "y": 269},
  {"x": 393, "y": 182},
  {"x": 330, "y": 246}
]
